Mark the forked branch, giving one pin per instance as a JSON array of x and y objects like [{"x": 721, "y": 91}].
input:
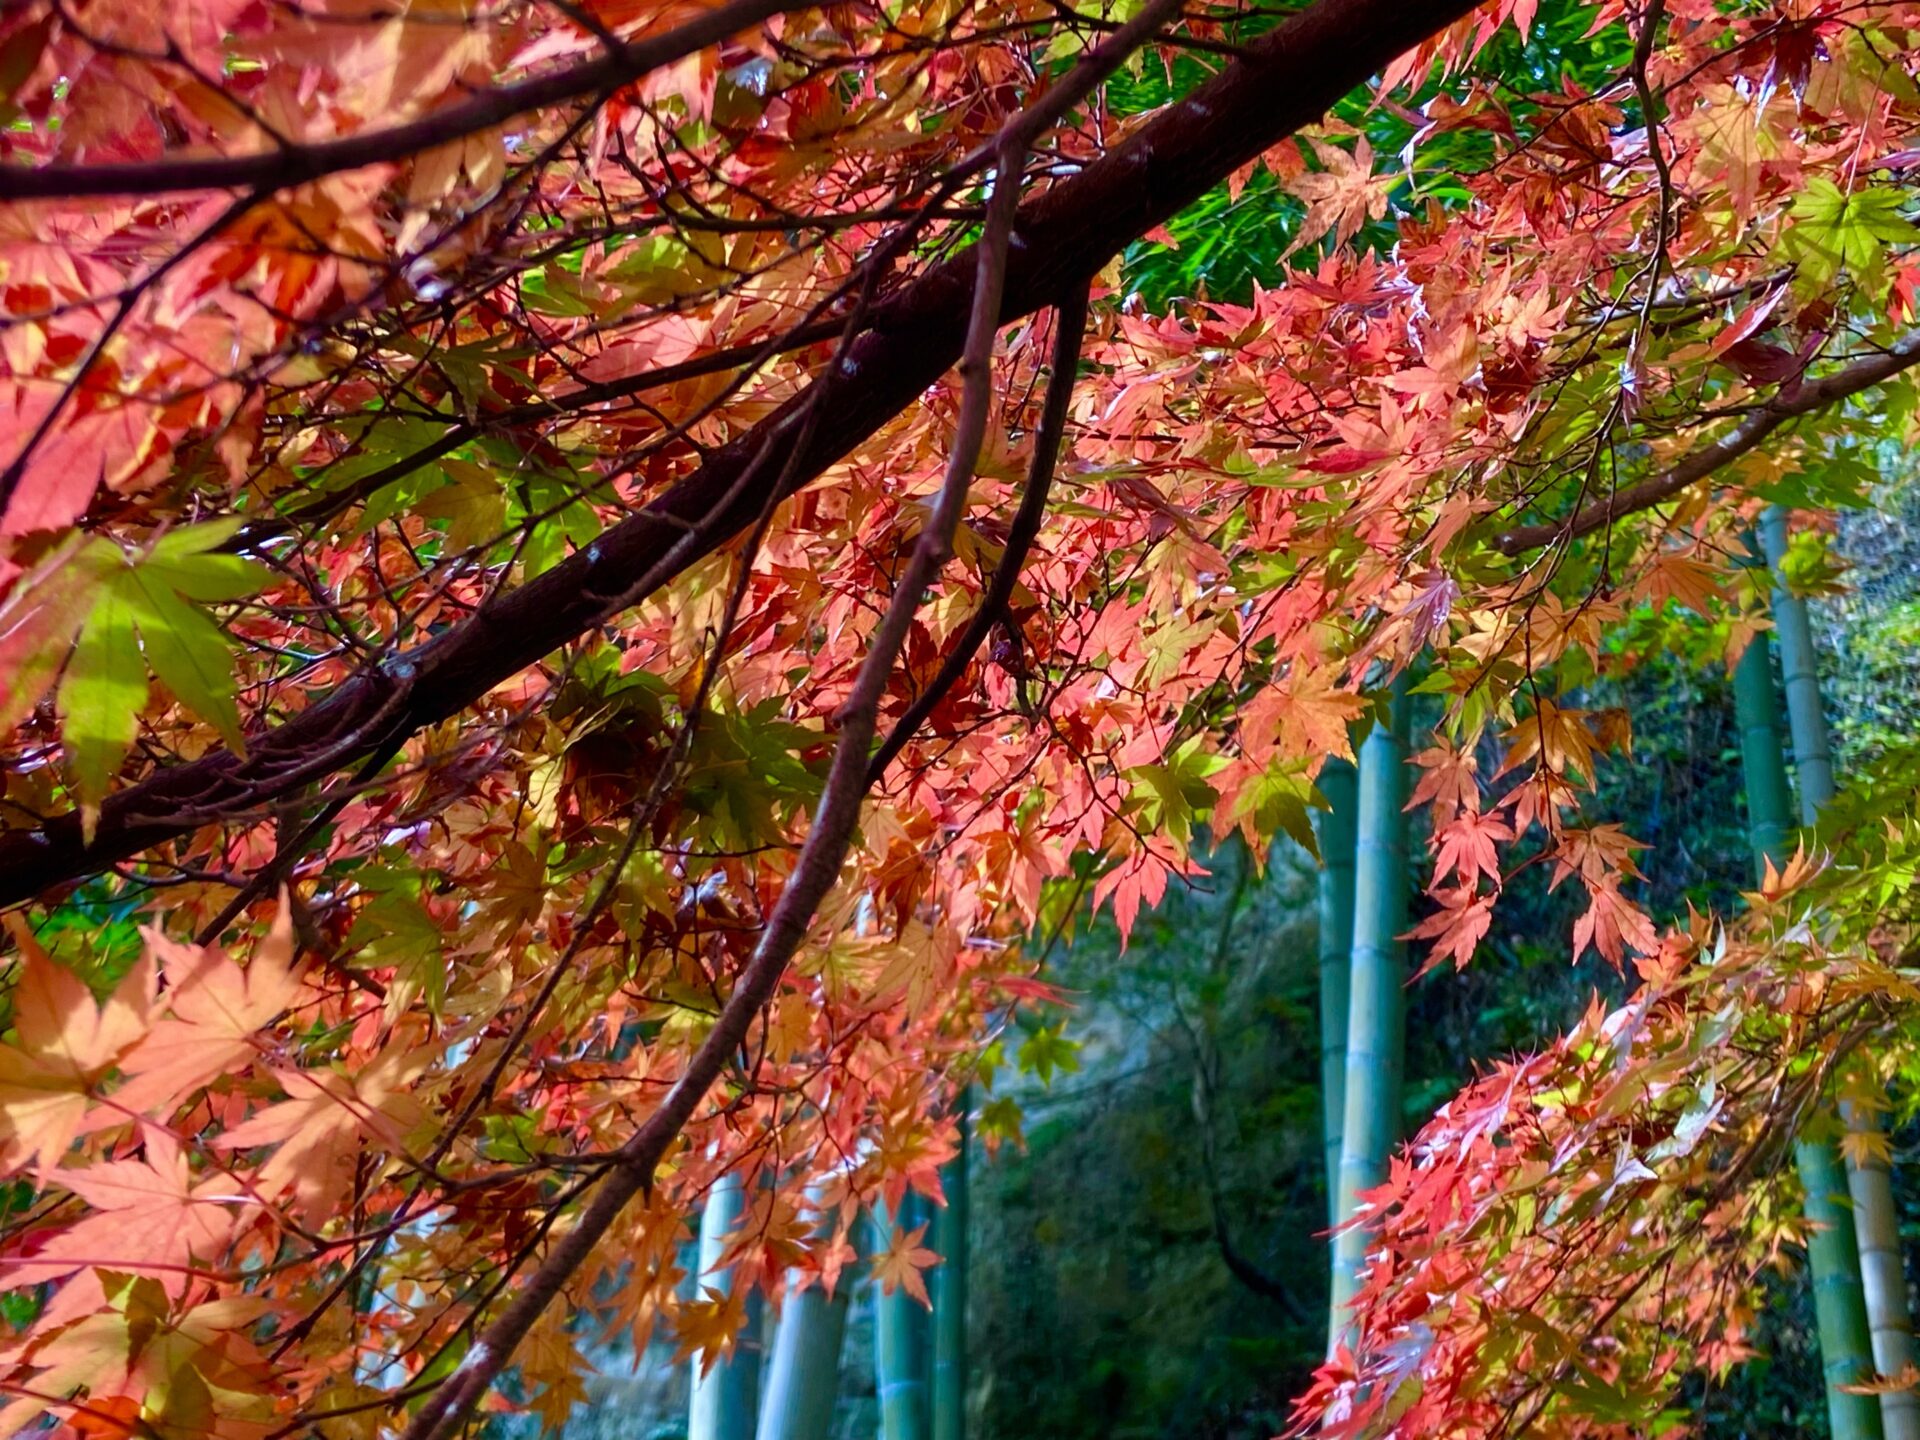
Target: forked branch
[
  {"x": 1786, "y": 404},
  {"x": 1070, "y": 323},
  {"x": 817, "y": 868}
]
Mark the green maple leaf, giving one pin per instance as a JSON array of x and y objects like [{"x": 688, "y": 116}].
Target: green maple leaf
[
  {"x": 1172, "y": 796},
  {"x": 747, "y": 775},
  {"x": 1278, "y": 799},
  {"x": 1834, "y": 229},
  {"x": 1001, "y": 1118},
  {"x": 1047, "y": 1051},
  {"x": 146, "y": 615}
]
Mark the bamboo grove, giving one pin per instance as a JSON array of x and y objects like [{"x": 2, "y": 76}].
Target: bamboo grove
[{"x": 580, "y": 579}]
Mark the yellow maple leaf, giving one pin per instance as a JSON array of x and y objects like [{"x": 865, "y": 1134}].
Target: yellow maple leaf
[{"x": 710, "y": 1326}]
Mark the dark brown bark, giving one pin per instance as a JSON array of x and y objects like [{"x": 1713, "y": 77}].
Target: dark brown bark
[{"x": 1062, "y": 237}]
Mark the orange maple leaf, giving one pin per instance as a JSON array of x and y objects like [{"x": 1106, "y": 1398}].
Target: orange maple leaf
[
  {"x": 1611, "y": 923},
  {"x": 902, "y": 1262},
  {"x": 65, "y": 1045},
  {"x": 322, "y": 1126},
  {"x": 216, "y": 1009},
  {"x": 1342, "y": 195},
  {"x": 1449, "y": 780},
  {"x": 1907, "y": 1377},
  {"x": 1469, "y": 846},
  {"x": 1684, "y": 580},
  {"x": 1598, "y": 854},
  {"x": 1779, "y": 880},
  {"x": 1304, "y": 716},
  {"x": 149, "y": 1217},
  {"x": 1558, "y": 735},
  {"x": 1456, "y": 929}
]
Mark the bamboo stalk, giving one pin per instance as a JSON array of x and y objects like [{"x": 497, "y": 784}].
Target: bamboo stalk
[
  {"x": 1376, "y": 1000},
  {"x": 1833, "y": 1254},
  {"x": 900, "y": 1335},
  {"x": 949, "y": 1288},
  {"x": 1883, "y": 1272},
  {"x": 726, "y": 1396},
  {"x": 1800, "y": 677},
  {"x": 802, "y": 1381},
  {"x": 1340, "y": 783},
  {"x": 1839, "y": 1300},
  {"x": 1763, "y": 764}
]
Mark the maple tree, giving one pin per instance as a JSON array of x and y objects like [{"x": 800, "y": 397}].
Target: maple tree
[{"x": 622, "y": 555}]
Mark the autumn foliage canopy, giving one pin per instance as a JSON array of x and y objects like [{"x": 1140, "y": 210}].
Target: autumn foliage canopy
[{"x": 579, "y": 578}]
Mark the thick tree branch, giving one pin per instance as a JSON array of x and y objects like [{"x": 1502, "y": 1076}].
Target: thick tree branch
[
  {"x": 1061, "y": 238},
  {"x": 1787, "y": 404},
  {"x": 280, "y": 168}
]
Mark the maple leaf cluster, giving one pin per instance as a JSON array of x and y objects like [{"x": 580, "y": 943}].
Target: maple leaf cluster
[
  {"x": 504, "y": 500},
  {"x": 1582, "y": 1228}
]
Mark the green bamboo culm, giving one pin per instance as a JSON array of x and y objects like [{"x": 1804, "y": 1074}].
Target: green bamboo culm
[
  {"x": 1339, "y": 784},
  {"x": 1846, "y": 1343},
  {"x": 949, "y": 1289},
  {"x": 1763, "y": 763},
  {"x": 802, "y": 1380},
  {"x": 726, "y": 1396},
  {"x": 901, "y": 1332},
  {"x": 1376, "y": 993},
  {"x": 1800, "y": 677},
  {"x": 1833, "y": 1255},
  {"x": 1883, "y": 1272}
]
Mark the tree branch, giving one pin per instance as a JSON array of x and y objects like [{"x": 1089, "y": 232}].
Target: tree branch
[
  {"x": 1250, "y": 1275},
  {"x": 815, "y": 872},
  {"x": 280, "y": 168},
  {"x": 1788, "y": 403},
  {"x": 329, "y": 503},
  {"x": 1061, "y": 238},
  {"x": 1070, "y": 321}
]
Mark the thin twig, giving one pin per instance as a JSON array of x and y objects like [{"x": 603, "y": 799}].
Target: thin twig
[
  {"x": 1070, "y": 322},
  {"x": 279, "y": 169}
]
